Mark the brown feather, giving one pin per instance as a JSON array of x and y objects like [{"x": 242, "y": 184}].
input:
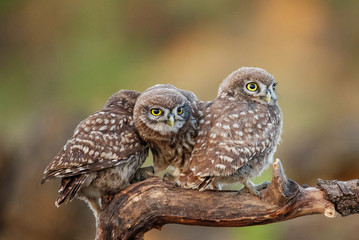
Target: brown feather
[
  {"x": 105, "y": 145},
  {"x": 68, "y": 188},
  {"x": 238, "y": 133},
  {"x": 168, "y": 148}
]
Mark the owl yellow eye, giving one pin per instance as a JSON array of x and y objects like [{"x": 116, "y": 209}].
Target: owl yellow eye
[
  {"x": 180, "y": 110},
  {"x": 252, "y": 87},
  {"x": 156, "y": 111}
]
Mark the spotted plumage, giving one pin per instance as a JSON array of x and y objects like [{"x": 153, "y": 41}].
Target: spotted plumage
[
  {"x": 238, "y": 132},
  {"x": 102, "y": 155},
  {"x": 166, "y": 118}
]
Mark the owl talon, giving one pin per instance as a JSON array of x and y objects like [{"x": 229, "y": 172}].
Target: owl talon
[
  {"x": 250, "y": 187},
  {"x": 262, "y": 186},
  {"x": 252, "y": 191},
  {"x": 142, "y": 174},
  {"x": 169, "y": 177},
  {"x": 255, "y": 189}
]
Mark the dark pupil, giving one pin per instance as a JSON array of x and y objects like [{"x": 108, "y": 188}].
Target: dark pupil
[
  {"x": 156, "y": 111},
  {"x": 252, "y": 86},
  {"x": 179, "y": 109}
]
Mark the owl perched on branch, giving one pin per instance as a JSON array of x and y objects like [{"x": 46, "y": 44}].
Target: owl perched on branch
[
  {"x": 102, "y": 155},
  {"x": 166, "y": 118},
  {"x": 238, "y": 133}
]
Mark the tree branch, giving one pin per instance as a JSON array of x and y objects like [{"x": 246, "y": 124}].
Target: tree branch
[{"x": 153, "y": 203}]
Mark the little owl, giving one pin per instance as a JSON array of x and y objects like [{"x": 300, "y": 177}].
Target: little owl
[
  {"x": 166, "y": 118},
  {"x": 102, "y": 155},
  {"x": 238, "y": 133}
]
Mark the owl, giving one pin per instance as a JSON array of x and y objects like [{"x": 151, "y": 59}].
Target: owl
[
  {"x": 166, "y": 118},
  {"x": 238, "y": 133},
  {"x": 102, "y": 155}
]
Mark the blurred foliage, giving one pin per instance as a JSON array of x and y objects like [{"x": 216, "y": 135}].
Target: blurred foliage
[
  {"x": 61, "y": 60},
  {"x": 267, "y": 232}
]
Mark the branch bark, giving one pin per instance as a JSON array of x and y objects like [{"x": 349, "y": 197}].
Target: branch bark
[{"x": 153, "y": 203}]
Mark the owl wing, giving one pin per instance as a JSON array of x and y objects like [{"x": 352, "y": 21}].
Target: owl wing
[
  {"x": 222, "y": 145},
  {"x": 105, "y": 139}
]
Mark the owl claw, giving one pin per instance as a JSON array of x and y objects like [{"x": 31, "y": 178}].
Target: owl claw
[
  {"x": 251, "y": 188},
  {"x": 169, "y": 177},
  {"x": 142, "y": 174},
  {"x": 262, "y": 186}
]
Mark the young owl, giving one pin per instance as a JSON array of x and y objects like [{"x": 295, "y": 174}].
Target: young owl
[
  {"x": 166, "y": 118},
  {"x": 102, "y": 155},
  {"x": 238, "y": 133}
]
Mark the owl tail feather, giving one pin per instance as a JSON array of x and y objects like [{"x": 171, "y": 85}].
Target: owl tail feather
[
  {"x": 188, "y": 179},
  {"x": 206, "y": 184},
  {"x": 69, "y": 188}
]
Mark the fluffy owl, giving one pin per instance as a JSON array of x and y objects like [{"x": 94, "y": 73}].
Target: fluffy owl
[
  {"x": 102, "y": 155},
  {"x": 238, "y": 132},
  {"x": 166, "y": 118}
]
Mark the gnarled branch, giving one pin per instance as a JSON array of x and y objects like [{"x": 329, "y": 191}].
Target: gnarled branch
[{"x": 153, "y": 203}]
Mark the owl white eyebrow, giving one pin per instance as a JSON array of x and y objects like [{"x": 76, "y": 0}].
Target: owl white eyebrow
[{"x": 152, "y": 107}]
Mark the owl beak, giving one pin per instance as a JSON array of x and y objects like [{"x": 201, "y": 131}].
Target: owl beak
[
  {"x": 171, "y": 120},
  {"x": 267, "y": 97}
]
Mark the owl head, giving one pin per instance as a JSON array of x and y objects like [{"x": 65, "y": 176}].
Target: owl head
[
  {"x": 250, "y": 83},
  {"x": 162, "y": 109}
]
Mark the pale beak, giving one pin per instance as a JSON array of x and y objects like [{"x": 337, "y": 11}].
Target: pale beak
[
  {"x": 267, "y": 97},
  {"x": 171, "y": 120}
]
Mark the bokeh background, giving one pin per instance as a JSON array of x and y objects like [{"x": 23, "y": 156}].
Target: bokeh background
[{"x": 61, "y": 60}]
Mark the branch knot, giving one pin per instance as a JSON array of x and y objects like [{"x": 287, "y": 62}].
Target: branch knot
[{"x": 344, "y": 195}]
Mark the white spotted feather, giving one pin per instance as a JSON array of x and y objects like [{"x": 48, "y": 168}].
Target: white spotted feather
[{"x": 104, "y": 146}]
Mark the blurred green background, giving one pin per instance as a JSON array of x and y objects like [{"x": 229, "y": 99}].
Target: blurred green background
[{"x": 61, "y": 60}]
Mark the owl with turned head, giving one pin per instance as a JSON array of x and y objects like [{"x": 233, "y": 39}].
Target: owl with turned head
[
  {"x": 166, "y": 118},
  {"x": 102, "y": 156},
  {"x": 238, "y": 132}
]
